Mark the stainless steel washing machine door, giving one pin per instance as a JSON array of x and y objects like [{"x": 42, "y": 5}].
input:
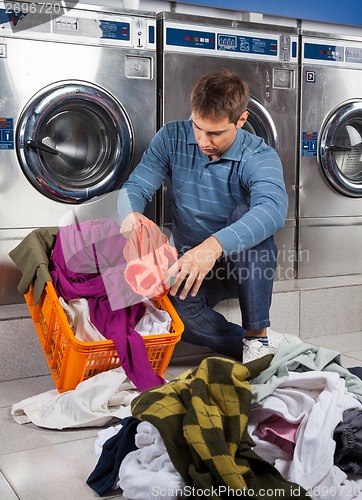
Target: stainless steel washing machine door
[
  {"x": 260, "y": 123},
  {"x": 340, "y": 149},
  {"x": 74, "y": 141}
]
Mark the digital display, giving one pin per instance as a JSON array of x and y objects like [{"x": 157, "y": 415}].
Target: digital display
[
  {"x": 189, "y": 38},
  {"x": 323, "y": 52}
]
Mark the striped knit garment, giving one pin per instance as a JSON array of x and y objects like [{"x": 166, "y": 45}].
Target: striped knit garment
[{"x": 205, "y": 192}]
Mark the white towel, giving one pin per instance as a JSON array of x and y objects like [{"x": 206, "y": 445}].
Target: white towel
[
  {"x": 148, "y": 473},
  {"x": 93, "y": 403}
]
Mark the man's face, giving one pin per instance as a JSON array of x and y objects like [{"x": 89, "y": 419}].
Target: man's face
[{"x": 214, "y": 137}]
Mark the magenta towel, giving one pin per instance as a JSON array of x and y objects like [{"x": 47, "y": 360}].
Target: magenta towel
[{"x": 85, "y": 256}]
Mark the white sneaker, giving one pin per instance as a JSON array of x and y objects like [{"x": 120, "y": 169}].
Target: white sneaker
[
  {"x": 275, "y": 339},
  {"x": 253, "y": 349}
]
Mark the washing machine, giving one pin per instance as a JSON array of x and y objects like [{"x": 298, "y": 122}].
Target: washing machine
[
  {"x": 77, "y": 110},
  {"x": 330, "y": 200},
  {"x": 267, "y": 58}
]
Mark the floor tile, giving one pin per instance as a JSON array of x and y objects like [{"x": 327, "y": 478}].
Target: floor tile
[
  {"x": 350, "y": 362},
  {"x": 355, "y": 355},
  {"x": 14, "y": 311},
  {"x": 56, "y": 472},
  {"x": 316, "y": 283},
  {"x": 284, "y": 313},
  {"x": 343, "y": 343},
  {"x": 29, "y": 436},
  {"x": 14, "y": 391},
  {"x": 6, "y": 491},
  {"x": 330, "y": 311},
  {"x": 20, "y": 352}
]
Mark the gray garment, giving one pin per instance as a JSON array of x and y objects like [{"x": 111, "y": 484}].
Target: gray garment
[
  {"x": 348, "y": 438},
  {"x": 301, "y": 357}
]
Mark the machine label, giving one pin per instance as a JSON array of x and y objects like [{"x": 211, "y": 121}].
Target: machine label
[
  {"x": 190, "y": 38},
  {"x": 247, "y": 44},
  {"x": 323, "y": 52},
  {"x": 354, "y": 54},
  {"x": 113, "y": 30},
  {"x": 6, "y": 133},
  {"x": 309, "y": 143},
  {"x": 310, "y": 76}
]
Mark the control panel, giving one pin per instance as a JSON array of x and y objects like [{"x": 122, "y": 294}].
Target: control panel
[
  {"x": 332, "y": 52},
  {"x": 230, "y": 43},
  {"x": 80, "y": 26}
]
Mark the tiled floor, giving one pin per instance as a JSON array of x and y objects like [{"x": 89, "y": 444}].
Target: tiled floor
[{"x": 42, "y": 464}]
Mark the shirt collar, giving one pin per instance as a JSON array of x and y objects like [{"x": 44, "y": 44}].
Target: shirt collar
[{"x": 233, "y": 153}]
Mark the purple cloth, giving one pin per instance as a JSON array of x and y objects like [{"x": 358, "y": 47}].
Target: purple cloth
[{"x": 88, "y": 262}]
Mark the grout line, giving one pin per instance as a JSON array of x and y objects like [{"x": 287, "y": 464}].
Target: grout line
[
  {"x": 299, "y": 314},
  {"x": 12, "y": 318}
]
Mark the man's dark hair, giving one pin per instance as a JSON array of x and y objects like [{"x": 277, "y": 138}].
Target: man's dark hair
[{"x": 220, "y": 94}]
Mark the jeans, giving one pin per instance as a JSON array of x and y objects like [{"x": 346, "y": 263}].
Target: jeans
[{"x": 248, "y": 276}]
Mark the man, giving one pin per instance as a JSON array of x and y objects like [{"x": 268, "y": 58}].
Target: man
[{"x": 228, "y": 199}]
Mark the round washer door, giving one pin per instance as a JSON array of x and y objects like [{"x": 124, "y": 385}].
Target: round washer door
[
  {"x": 74, "y": 141},
  {"x": 340, "y": 148},
  {"x": 260, "y": 123}
]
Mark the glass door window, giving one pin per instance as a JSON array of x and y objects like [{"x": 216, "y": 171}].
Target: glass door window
[
  {"x": 260, "y": 123},
  {"x": 340, "y": 151},
  {"x": 74, "y": 142}
]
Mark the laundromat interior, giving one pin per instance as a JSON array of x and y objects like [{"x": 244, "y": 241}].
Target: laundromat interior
[{"x": 105, "y": 76}]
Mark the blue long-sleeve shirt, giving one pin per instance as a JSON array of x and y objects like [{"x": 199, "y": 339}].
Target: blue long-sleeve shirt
[{"x": 205, "y": 192}]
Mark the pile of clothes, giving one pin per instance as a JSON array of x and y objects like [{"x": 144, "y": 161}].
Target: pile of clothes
[{"x": 287, "y": 425}]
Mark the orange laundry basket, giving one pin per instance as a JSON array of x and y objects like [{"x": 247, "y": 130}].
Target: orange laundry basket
[{"x": 71, "y": 361}]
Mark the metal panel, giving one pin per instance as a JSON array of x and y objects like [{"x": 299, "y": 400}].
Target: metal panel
[
  {"x": 113, "y": 51},
  {"x": 330, "y": 87},
  {"x": 330, "y": 247},
  {"x": 330, "y": 219},
  {"x": 287, "y": 253}
]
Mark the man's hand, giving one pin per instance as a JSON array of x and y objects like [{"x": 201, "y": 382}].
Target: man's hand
[
  {"x": 194, "y": 266},
  {"x": 130, "y": 221}
]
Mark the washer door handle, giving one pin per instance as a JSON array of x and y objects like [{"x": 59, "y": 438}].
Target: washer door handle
[
  {"x": 332, "y": 147},
  {"x": 33, "y": 144}
]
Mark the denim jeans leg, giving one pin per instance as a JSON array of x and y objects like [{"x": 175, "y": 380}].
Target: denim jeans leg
[
  {"x": 205, "y": 326},
  {"x": 254, "y": 272}
]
